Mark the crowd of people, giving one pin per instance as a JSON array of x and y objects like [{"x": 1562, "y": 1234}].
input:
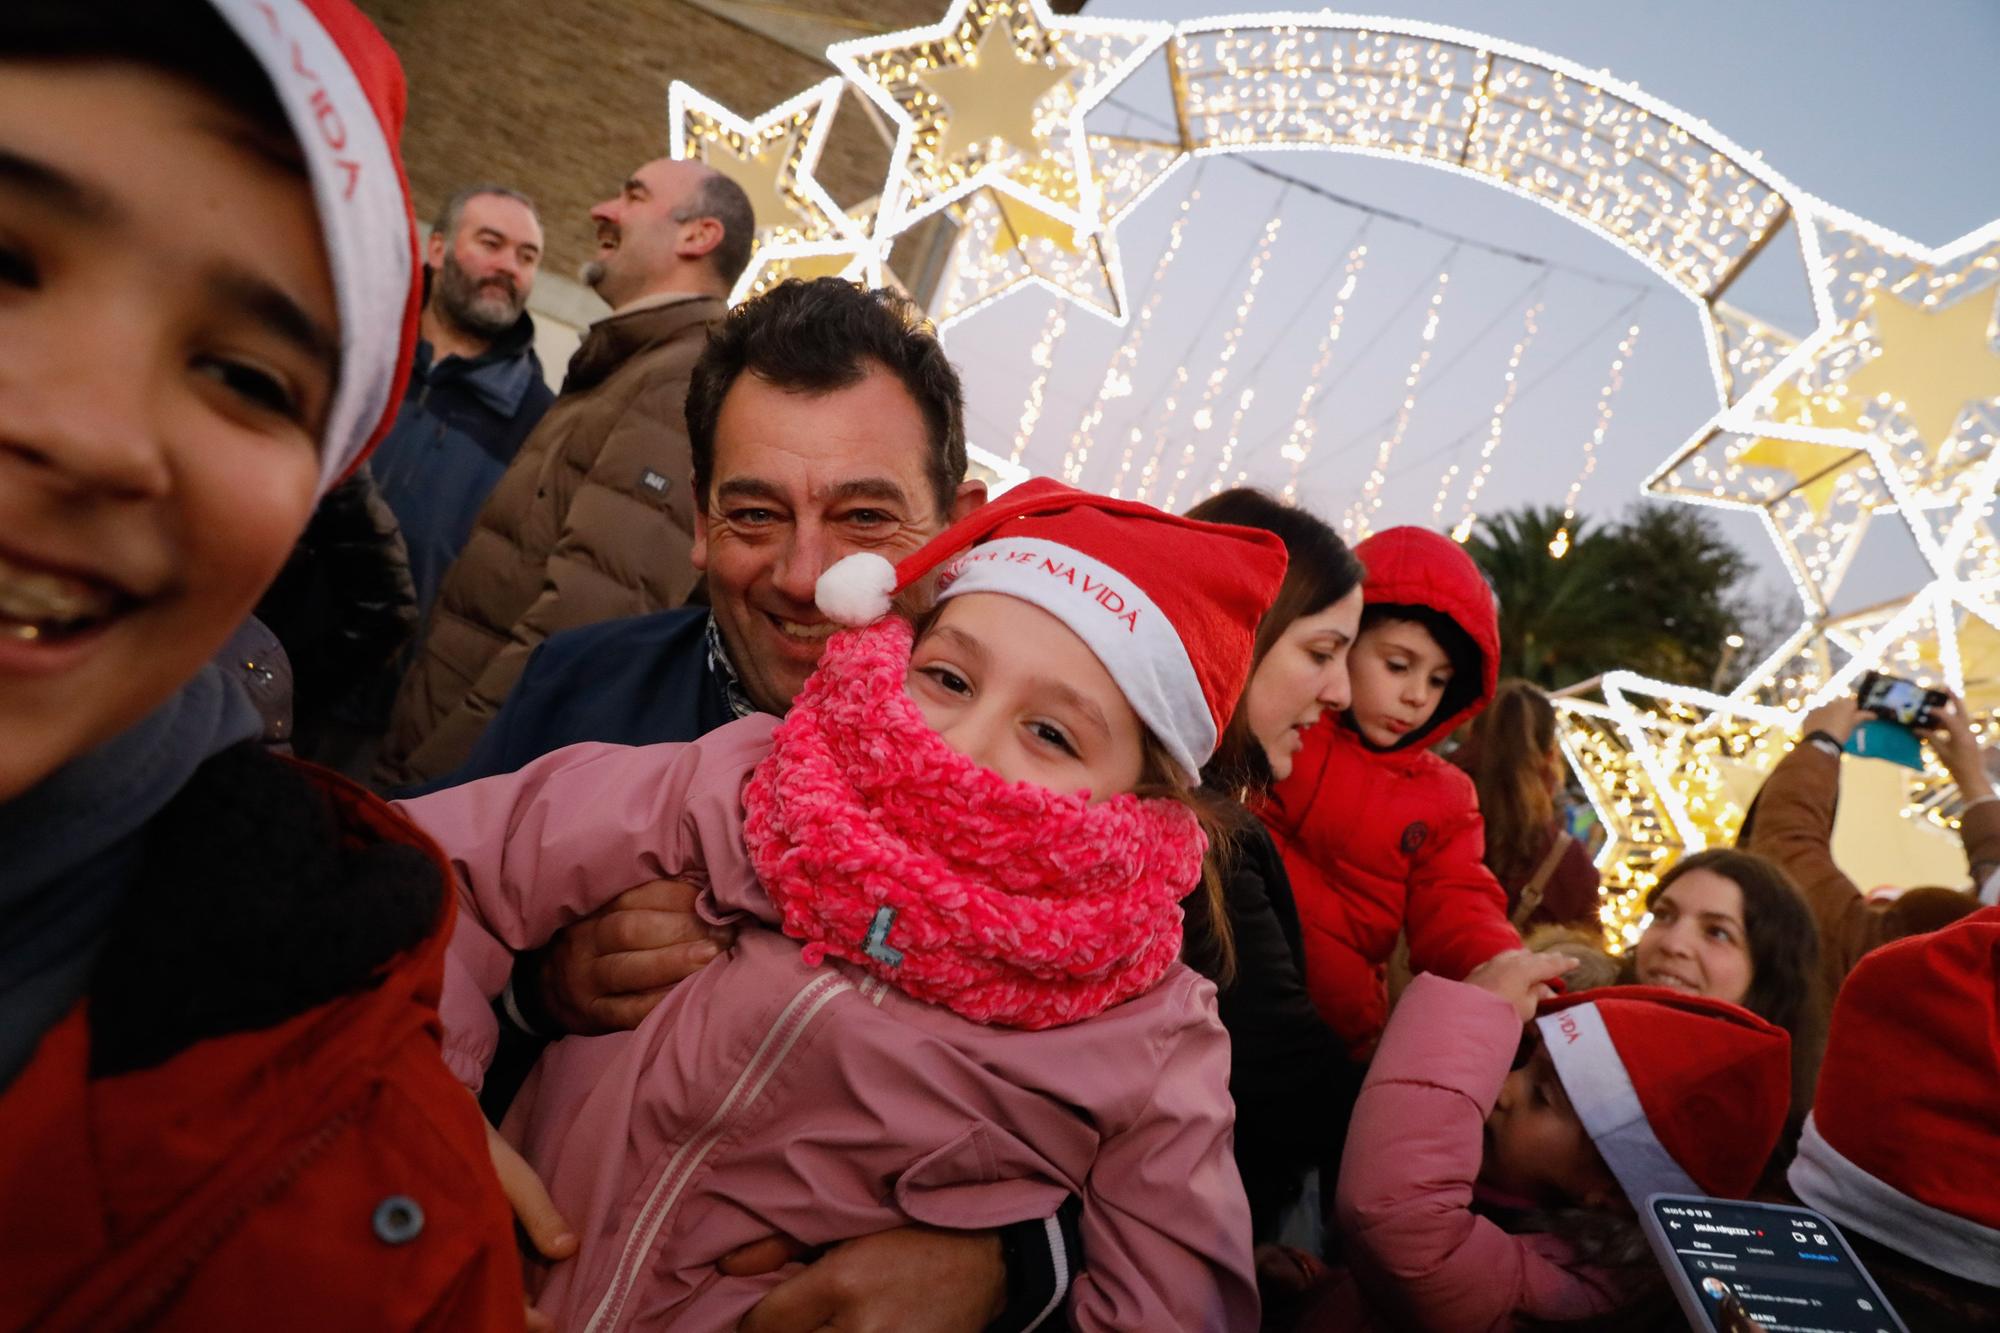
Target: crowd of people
[{"x": 675, "y": 852}]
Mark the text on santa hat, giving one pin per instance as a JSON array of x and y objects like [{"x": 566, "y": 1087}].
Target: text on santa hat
[
  {"x": 1566, "y": 1024},
  {"x": 1097, "y": 589},
  {"x": 326, "y": 117}
]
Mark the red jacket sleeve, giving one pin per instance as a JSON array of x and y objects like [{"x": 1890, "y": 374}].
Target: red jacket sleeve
[{"x": 1456, "y": 915}]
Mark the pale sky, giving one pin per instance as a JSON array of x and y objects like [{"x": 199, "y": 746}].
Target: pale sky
[{"x": 1881, "y": 115}]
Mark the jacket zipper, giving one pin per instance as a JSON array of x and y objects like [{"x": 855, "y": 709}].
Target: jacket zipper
[
  {"x": 779, "y": 1038},
  {"x": 178, "y": 1272}
]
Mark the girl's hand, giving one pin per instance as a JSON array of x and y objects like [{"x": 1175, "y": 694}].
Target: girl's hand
[{"x": 1521, "y": 977}]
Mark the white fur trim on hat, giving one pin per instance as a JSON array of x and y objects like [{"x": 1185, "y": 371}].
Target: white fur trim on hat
[
  {"x": 1130, "y": 635},
  {"x": 855, "y": 590},
  {"x": 364, "y": 218},
  {"x": 1825, "y": 1179},
  {"x": 1599, "y": 1088}
]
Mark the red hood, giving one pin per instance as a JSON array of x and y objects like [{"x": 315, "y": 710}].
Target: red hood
[{"x": 1417, "y": 567}]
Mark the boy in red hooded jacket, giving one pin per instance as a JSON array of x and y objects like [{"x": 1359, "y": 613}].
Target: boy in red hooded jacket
[{"x": 1379, "y": 835}]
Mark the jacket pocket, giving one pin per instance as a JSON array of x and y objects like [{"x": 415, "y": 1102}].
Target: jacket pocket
[{"x": 960, "y": 1187}]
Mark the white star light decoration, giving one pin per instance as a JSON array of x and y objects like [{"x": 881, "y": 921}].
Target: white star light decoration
[
  {"x": 801, "y": 231},
  {"x": 993, "y": 96},
  {"x": 1888, "y": 408}
]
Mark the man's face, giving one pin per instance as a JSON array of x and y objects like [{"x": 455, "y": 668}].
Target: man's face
[
  {"x": 800, "y": 480},
  {"x": 638, "y": 237},
  {"x": 168, "y": 350},
  {"x": 483, "y": 276}
]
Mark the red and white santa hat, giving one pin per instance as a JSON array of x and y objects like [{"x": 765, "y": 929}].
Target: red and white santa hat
[
  {"x": 1169, "y": 605},
  {"x": 1903, "y": 1143},
  {"x": 342, "y": 89},
  {"x": 1682, "y": 1094}
]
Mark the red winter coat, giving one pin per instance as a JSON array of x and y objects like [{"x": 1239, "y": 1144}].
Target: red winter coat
[
  {"x": 262, "y": 1178},
  {"x": 1385, "y": 842}
]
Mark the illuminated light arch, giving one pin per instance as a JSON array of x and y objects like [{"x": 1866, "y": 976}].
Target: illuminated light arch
[{"x": 1804, "y": 431}]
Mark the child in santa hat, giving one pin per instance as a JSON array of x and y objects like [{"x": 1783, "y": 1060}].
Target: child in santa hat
[
  {"x": 1491, "y": 1179},
  {"x": 1382, "y": 838},
  {"x": 221, "y": 1100},
  {"x": 1902, "y": 1148},
  {"x": 956, "y": 998}
]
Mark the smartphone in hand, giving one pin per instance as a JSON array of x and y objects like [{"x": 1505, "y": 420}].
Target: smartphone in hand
[{"x": 1735, "y": 1266}]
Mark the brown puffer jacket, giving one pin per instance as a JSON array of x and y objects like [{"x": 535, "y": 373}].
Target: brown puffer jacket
[{"x": 593, "y": 520}]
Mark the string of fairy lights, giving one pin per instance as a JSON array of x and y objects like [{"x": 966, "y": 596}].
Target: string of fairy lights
[
  {"x": 1117, "y": 381},
  {"x": 1885, "y": 410},
  {"x": 1305, "y": 422},
  {"x": 1607, "y": 403},
  {"x": 1043, "y": 358},
  {"x": 1203, "y": 417},
  {"x": 1359, "y": 519},
  {"x": 1495, "y": 430}
]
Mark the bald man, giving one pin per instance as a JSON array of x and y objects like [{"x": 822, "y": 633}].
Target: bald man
[{"x": 594, "y": 519}]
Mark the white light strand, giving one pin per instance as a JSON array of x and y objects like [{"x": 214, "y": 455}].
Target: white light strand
[
  {"x": 1117, "y": 381},
  {"x": 1370, "y": 503},
  {"x": 1204, "y": 413},
  {"x": 1529, "y": 327},
  {"x": 1235, "y": 434},
  {"x": 1305, "y": 423},
  {"x": 1043, "y": 357},
  {"x": 1606, "y": 405}
]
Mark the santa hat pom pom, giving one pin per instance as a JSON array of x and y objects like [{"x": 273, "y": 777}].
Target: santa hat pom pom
[{"x": 856, "y": 590}]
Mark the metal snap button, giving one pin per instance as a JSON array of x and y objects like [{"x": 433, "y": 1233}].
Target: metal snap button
[{"x": 398, "y": 1220}]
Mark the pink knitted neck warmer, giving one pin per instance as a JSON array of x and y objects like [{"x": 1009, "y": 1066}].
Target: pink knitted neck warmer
[{"x": 1001, "y": 901}]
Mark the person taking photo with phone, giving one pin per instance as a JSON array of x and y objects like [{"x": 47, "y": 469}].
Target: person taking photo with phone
[{"x": 1791, "y": 822}]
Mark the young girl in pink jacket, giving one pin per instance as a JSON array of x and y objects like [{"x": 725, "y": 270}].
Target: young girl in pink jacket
[
  {"x": 956, "y": 998},
  {"x": 1465, "y": 1122}
]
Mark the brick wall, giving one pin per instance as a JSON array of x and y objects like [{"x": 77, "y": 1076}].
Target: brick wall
[{"x": 562, "y": 99}]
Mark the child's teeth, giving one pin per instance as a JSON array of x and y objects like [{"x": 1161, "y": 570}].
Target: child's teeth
[{"x": 30, "y": 595}]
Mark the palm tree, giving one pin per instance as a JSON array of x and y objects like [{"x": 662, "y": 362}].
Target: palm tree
[
  {"x": 1554, "y": 612},
  {"x": 1654, "y": 592}
]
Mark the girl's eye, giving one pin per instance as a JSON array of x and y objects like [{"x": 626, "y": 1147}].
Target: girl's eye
[
  {"x": 948, "y": 679},
  {"x": 1051, "y": 735},
  {"x": 17, "y": 271},
  {"x": 259, "y": 388}
]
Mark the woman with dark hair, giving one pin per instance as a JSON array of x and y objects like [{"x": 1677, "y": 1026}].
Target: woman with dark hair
[
  {"x": 1511, "y": 755},
  {"x": 1731, "y": 924},
  {"x": 1289, "y": 1074}
]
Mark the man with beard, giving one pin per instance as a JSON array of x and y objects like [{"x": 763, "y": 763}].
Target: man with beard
[
  {"x": 476, "y": 387},
  {"x": 594, "y": 518}
]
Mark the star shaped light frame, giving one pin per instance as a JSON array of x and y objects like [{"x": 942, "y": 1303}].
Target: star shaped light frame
[
  {"x": 1660, "y": 184},
  {"x": 818, "y": 235}
]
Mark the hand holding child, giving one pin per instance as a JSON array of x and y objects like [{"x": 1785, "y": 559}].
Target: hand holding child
[{"x": 1521, "y": 977}]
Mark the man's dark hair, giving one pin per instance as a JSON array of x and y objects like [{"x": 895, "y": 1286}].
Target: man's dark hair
[
  {"x": 723, "y": 199},
  {"x": 454, "y": 207},
  {"x": 815, "y": 337}
]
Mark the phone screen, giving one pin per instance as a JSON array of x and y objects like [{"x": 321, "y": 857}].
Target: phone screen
[
  {"x": 1788, "y": 1267},
  {"x": 1900, "y": 701}
]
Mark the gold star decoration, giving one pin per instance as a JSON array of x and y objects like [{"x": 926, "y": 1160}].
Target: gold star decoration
[
  {"x": 1022, "y": 221},
  {"x": 1006, "y": 244},
  {"x": 1816, "y": 468},
  {"x": 1932, "y": 363},
  {"x": 993, "y": 95},
  {"x": 801, "y": 231}
]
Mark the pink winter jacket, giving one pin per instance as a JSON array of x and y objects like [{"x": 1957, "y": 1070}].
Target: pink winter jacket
[
  {"x": 816, "y": 1102},
  {"x": 1421, "y": 1258}
]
